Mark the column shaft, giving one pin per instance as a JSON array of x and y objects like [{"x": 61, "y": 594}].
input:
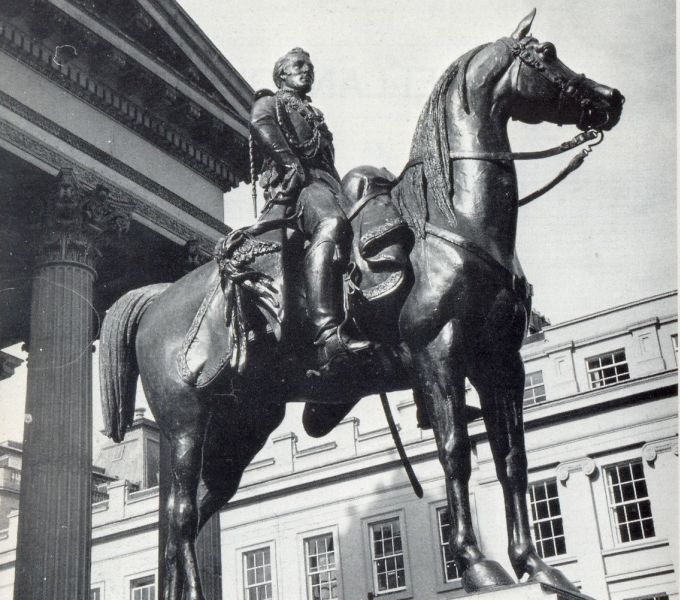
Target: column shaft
[{"x": 53, "y": 550}]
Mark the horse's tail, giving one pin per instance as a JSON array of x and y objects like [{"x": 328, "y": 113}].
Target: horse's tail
[{"x": 118, "y": 370}]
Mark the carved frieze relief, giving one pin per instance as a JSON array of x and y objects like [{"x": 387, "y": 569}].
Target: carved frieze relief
[
  {"x": 87, "y": 179},
  {"x": 32, "y": 145}
]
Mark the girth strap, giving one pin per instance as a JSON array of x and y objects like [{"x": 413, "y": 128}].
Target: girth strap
[{"x": 520, "y": 285}]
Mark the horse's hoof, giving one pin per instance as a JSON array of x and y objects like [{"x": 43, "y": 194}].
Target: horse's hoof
[
  {"x": 483, "y": 574},
  {"x": 555, "y": 578}
]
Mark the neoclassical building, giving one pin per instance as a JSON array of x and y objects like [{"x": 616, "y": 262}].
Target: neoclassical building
[
  {"x": 121, "y": 128},
  {"x": 335, "y": 518}
]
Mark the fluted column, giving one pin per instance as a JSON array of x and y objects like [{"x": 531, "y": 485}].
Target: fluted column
[{"x": 54, "y": 538}]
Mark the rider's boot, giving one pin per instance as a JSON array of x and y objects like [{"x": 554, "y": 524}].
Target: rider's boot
[{"x": 323, "y": 282}]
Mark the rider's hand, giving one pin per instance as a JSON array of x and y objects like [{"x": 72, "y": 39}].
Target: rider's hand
[{"x": 293, "y": 180}]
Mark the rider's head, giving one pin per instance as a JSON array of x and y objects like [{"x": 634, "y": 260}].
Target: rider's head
[{"x": 294, "y": 71}]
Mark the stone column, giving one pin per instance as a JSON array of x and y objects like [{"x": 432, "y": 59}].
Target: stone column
[{"x": 54, "y": 538}]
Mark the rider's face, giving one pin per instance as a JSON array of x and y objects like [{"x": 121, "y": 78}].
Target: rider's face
[{"x": 298, "y": 75}]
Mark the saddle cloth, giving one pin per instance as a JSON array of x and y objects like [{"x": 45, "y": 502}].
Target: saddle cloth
[{"x": 251, "y": 276}]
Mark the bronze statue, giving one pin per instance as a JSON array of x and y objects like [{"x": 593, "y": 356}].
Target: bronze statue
[
  {"x": 453, "y": 304},
  {"x": 299, "y": 171}
]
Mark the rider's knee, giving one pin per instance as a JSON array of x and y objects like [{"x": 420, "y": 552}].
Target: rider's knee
[{"x": 333, "y": 228}]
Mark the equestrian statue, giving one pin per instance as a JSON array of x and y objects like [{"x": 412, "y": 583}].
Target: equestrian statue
[{"x": 346, "y": 288}]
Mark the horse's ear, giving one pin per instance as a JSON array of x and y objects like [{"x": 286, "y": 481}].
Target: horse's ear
[{"x": 524, "y": 26}]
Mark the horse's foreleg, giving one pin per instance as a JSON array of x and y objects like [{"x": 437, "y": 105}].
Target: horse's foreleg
[{"x": 441, "y": 384}]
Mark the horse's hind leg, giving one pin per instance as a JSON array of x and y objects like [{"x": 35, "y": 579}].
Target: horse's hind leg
[
  {"x": 235, "y": 434},
  {"x": 180, "y": 557},
  {"x": 441, "y": 384}
]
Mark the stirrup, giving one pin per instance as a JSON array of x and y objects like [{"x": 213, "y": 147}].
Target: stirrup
[{"x": 337, "y": 346}]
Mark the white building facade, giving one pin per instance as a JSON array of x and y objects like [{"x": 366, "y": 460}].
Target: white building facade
[{"x": 335, "y": 518}]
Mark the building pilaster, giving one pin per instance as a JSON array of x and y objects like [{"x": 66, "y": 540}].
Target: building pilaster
[
  {"x": 580, "y": 524},
  {"x": 661, "y": 474},
  {"x": 54, "y": 539}
]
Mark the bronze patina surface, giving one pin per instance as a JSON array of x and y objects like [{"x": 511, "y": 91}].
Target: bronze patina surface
[{"x": 463, "y": 313}]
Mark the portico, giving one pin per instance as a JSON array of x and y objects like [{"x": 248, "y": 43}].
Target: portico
[{"x": 120, "y": 131}]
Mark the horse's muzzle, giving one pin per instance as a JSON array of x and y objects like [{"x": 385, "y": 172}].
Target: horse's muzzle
[{"x": 603, "y": 109}]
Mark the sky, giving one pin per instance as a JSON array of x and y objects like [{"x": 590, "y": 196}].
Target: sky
[{"x": 605, "y": 236}]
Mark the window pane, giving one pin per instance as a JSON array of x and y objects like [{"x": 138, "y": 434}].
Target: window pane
[
  {"x": 257, "y": 575},
  {"x": 547, "y": 519},
  {"x": 449, "y": 568},
  {"x": 629, "y": 503},
  {"x": 388, "y": 559},
  {"x": 320, "y": 567},
  {"x": 607, "y": 369}
]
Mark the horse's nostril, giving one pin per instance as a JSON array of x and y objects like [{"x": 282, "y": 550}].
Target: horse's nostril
[{"x": 617, "y": 98}]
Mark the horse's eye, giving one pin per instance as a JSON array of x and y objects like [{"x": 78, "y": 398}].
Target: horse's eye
[{"x": 548, "y": 52}]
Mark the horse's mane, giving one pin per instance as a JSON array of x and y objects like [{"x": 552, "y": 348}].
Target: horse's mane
[{"x": 431, "y": 145}]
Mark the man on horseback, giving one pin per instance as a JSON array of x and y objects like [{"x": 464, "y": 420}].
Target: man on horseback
[{"x": 298, "y": 172}]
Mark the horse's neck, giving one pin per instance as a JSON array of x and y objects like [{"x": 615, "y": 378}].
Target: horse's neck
[{"x": 484, "y": 192}]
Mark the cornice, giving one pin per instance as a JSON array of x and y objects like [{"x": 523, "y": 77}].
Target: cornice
[
  {"x": 81, "y": 11},
  {"x": 241, "y": 95},
  {"x": 24, "y": 48},
  {"x": 91, "y": 180}
]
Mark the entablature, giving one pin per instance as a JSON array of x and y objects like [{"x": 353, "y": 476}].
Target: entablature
[{"x": 174, "y": 107}]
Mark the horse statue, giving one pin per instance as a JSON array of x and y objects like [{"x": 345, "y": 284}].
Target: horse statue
[{"x": 462, "y": 311}]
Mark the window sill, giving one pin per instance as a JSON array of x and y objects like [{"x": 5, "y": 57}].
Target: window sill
[
  {"x": 404, "y": 594},
  {"x": 451, "y": 586},
  {"x": 635, "y": 546},
  {"x": 561, "y": 559}
]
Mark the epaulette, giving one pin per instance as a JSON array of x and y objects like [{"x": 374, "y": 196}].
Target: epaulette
[{"x": 263, "y": 93}]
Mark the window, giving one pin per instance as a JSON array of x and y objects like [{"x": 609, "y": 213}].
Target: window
[
  {"x": 629, "y": 502},
  {"x": 606, "y": 369},
  {"x": 143, "y": 588},
  {"x": 534, "y": 390},
  {"x": 674, "y": 341},
  {"x": 389, "y": 573},
  {"x": 257, "y": 574},
  {"x": 449, "y": 567},
  {"x": 322, "y": 580},
  {"x": 96, "y": 594},
  {"x": 546, "y": 518}
]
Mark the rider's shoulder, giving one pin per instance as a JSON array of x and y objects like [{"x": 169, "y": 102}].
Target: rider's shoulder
[{"x": 263, "y": 101}]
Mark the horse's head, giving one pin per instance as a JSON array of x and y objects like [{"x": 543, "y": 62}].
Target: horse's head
[{"x": 545, "y": 89}]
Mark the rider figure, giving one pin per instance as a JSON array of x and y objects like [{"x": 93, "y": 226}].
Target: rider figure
[{"x": 299, "y": 167}]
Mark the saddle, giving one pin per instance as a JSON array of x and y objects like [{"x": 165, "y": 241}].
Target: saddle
[{"x": 256, "y": 289}]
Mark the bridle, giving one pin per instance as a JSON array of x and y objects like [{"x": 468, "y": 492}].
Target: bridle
[{"x": 569, "y": 90}]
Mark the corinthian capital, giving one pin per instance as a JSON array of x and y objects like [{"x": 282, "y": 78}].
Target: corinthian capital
[{"x": 76, "y": 219}]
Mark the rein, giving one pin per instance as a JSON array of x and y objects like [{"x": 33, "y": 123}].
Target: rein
[{"x": 575, "y": 163}]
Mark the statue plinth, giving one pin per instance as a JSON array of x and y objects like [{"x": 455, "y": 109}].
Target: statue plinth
[{"x": 527, "y": 591}]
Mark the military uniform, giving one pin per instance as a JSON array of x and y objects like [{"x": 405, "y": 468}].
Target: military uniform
[{"x": 298, "y": 171}]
